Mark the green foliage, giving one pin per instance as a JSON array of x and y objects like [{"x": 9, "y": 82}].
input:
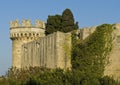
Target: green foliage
[
  {"x": 89, "y": 58},
  {"x": 106, "y": 80},
  {"x": 90, "y": 55},
  {"x": 43, "y": 76},
  {"x": 68, "y": 21},
  {"x": 54, "y": 23},
  {"x": 64, "y": 23}
]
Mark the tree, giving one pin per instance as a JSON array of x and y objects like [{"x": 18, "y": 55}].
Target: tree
[
  {"x": 68, "y": 21},
  {"x": 53, "y": 24},
  {"x": 64, "y": 23}
]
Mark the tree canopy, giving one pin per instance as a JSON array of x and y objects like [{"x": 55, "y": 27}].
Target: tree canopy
[
  {"x": 64, "y": 23},
  {"x": 68, "y": 21},
  {"x": 53, "y": 24}
]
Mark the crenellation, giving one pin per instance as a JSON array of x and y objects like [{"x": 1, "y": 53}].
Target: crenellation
[
  {"x": 21, "y": 34},
  {"x": 30, "y": 46},
  {"x": 40, "y": 24},
  {"x": 14, "y": 23},
  {"x": 26, "y": 24}
]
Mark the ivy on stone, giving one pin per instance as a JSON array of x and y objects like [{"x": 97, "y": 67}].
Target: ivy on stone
[{"x": 90, "y": 55}]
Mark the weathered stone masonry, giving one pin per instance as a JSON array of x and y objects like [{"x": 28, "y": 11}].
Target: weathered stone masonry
[
  {"x": 113, "y": 68},
  {"x": 48, "y": 51},
  {"x": 21, "y": 34},
  {"x": 30, "y": 47}
]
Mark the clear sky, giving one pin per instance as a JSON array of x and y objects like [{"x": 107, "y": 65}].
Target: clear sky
[{"x": 87, "y": 12}]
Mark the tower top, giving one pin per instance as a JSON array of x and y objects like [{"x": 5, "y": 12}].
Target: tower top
[{"x": 26, "y": 24}]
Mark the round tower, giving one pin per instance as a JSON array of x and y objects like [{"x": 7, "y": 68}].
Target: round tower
[{"x": 21, "y": 34}]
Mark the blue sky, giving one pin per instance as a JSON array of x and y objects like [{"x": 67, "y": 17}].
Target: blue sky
[{"x": 87, "y": 12}]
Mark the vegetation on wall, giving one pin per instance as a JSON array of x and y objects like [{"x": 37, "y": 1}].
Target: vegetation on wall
[
  {"x": 89, "y": 58},
  {"x": 90, "y": 55}
]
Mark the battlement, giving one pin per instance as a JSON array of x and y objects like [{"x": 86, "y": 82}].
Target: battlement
[
  {"x": 26, "y": 29},
  {"x": 26, "y": 23}
]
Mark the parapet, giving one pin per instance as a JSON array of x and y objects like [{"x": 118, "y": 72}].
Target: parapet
[
  {"x": 26, "y": 29},
  {"x": 26, "y": 23},
  {"x": 83, "y": 33}
]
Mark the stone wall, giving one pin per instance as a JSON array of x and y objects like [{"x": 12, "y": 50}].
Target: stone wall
[
  {"x": 113, "y": 68},
  {"x": 52, "y": 51},
  {"x": 21, "y": 34},
  {"x": 30, "y": 47},
  {"x": 83, "y": 33}
]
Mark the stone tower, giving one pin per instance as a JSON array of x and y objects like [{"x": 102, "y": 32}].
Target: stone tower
[{"x": 21, "y": 34}]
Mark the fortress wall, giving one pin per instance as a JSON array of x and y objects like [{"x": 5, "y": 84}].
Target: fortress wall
[
  {"x": 16, "y": 51},
  {"x": 83, "y": 33},
  {"x": 113, "y": 68},
  {"x": 64, "y": 50},
  {"x": 48, "y": 51},
  {"x": 21, "y": 33},
  {"x": 30, "y": 47},
  {"x": 20, "y": 36}
]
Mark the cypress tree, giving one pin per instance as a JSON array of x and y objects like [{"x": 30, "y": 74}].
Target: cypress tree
[{"x": 68, "y": 21}]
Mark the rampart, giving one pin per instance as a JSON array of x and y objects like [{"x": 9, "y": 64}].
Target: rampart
[
  {"x": 113, "y": 67},
  {"x": 52, "y": 51},
  {"x": 83, "y": 33},
  {"x": 30, "y": 47}
]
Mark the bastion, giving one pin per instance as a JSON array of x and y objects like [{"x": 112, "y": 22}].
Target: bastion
[
  {"x": 30, "y": 47},
  {"x": 23, "y": 33}
]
